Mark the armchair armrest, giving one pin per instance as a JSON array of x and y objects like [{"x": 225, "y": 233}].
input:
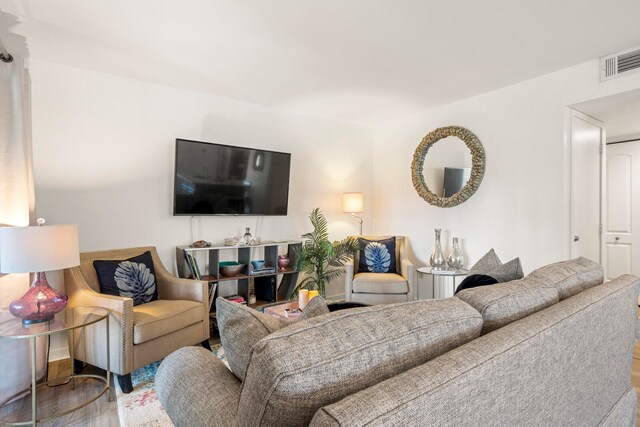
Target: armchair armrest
[
  {"x": 348, "y": 279},
  {"x": 171, "y": 287},
  {"x": 408, "y": 272},
  {"x": 91, "y": 348}
]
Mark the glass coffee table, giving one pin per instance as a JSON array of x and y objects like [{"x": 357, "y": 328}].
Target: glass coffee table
[{"x": 440, "y": 272}]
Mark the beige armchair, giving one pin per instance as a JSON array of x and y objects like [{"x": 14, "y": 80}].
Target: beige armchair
[
  {"x": 381, "y": 288},
  {"x": 142, "y": 334}
]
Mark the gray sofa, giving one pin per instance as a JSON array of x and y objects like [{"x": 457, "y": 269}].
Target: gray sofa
[{"x": 554, "y": 348}]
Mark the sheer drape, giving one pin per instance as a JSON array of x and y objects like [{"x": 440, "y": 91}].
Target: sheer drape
[{"x": 16, "y": 208}]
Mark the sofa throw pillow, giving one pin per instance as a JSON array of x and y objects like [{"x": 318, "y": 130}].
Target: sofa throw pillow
[
  {"x": 475, "y": 281},
  {"x": 508, "y": 271},
  {"x": 132, "y": 278},
  {"x": 488, "y": 262},
  {"x": 242, "y": 327},
  {"x": 377, "y": 256}
]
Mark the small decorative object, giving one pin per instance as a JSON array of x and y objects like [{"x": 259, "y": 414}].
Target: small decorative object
[
  {"x": 283, "y": 262},
  {"x": 456, "y": 258},
  {"x": 36, "y": 250},
  {"x": 230, "y": 241},
  {"x": 246, "y": 239},
  {"x": 200, "y": 244},
  {"x": 437, "y": 257},
  {"x": 258, "y": 264},
  {"x": 230, "y": 268},
  {"x": 252, "y": 297},
  {"x": 303, "y": 298},
  {"x": 313, "y": 293}
]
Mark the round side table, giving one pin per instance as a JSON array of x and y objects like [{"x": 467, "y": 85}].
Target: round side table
[
  {"x": 439, "y": 272},
  {"x": 77, "y": 317}
]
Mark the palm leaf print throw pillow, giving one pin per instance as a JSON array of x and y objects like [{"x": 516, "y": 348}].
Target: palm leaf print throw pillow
[
  {"x": 377, "y": 256},
  {"x": 132, "y": 278}
]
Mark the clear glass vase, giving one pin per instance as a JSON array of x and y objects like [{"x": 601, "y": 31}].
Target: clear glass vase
[
  {"x": 246, "y": 239},
  {"x": 456, "y": 258},
  {"x": 437, "y": 257}
]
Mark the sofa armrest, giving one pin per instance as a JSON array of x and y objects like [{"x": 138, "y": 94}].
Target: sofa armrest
[
  {"x": 348, "y": 279},
  {"x": 197, "y": 389}
]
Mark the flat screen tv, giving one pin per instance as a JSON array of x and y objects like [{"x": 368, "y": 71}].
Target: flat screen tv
[{"x": 216, "y": 179}]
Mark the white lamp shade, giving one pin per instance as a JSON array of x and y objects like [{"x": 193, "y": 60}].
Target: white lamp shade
[
  {"x": 41, "y": 248},
  {"x": 352, "y": 202}
]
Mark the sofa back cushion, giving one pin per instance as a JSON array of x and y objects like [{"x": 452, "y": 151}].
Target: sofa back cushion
[
  {"x": 297, "y": 370},
  {"x": 569, "y": 277},
  {"x": 503, "y": 303}
]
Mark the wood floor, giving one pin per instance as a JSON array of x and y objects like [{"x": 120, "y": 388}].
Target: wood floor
[{"x": 103, "y": 413}]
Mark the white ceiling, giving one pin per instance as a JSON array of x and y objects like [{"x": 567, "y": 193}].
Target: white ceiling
[{"x": 355, "y": 60}]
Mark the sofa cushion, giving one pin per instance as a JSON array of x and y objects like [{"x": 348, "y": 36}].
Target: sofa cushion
[
  {"x": 242, "y": 327},
  {"x": 297, "y": 370},
  {"x": 377, "y": 256},
  {"x": 504, "y": 303},
  {"x": 160, "y": 317},
  {"x": 132, "y": 278},
  {"x": 569, "y": 277},
  {"x": 380, "y": 283}
]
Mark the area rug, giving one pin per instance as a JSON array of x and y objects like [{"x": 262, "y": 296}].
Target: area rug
[{"x": 141, "y": 407}]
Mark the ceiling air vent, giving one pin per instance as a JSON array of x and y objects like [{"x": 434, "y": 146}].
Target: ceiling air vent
[{"x": 619, "y": 64}]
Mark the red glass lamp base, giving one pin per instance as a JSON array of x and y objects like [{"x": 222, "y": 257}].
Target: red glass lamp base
[{"x": 40, "y": 303}]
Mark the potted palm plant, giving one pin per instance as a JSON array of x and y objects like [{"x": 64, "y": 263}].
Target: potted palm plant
[{"x": 319, "y": 258}]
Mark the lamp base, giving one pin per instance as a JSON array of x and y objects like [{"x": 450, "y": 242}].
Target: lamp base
[{"x": 40, "y": 303}]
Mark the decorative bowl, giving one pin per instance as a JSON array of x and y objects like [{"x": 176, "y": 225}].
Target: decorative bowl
[
  {"x": 257, "y": 264},
  {"x": 230, "y": 268}
]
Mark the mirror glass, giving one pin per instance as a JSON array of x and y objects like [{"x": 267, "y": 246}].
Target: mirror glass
[{"x": 447, "y": 166}]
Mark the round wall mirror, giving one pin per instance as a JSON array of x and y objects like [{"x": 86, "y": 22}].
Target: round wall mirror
[{"x": 453, "y": 169}]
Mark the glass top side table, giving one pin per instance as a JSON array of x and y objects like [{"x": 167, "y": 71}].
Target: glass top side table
[
  {"x": 77, "y": 317},
  {"x": 440, "y": 272}
]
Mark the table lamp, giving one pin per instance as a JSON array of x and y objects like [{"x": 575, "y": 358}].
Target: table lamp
[
  {"x": 353, "y": 203},
  {"x": 36, "y": 250}
]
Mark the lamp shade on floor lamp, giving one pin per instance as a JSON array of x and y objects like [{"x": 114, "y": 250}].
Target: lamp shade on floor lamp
[
  {"x": 353, "y": 203},
  {"x": 36, "y": 250}
]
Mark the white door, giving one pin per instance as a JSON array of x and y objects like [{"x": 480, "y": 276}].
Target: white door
[
  {"x": 587, "y": 142},
  {"x": 620, "y": 245}
]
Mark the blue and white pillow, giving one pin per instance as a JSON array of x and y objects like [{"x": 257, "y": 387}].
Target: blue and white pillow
[
  {"x": 377, "y": 256},
  {"x": 133, "y": 278}
]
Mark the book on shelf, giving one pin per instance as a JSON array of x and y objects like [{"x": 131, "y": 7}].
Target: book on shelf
[
  {"x": 212, "y": 293},
  {"x": 236, "y": 298},
  {"x": 193, "y": 265}
]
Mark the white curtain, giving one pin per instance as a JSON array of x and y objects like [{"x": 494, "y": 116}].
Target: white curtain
[{"x": 16, "y": 209}]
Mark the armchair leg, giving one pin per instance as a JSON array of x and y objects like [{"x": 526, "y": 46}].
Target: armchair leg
[
  {"x": 206, "y": 345},
  {"x": 125, "y": 383},
  {"x": 78, "y": 366}
]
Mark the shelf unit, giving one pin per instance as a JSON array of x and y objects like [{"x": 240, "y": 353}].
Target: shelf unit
[{"x": 209, "y": 260}]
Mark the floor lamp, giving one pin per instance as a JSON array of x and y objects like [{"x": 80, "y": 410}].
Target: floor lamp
[{"x": 353, "y": 203}]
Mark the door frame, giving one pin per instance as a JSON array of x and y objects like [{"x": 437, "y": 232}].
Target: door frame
[{"x": 575, "y": 114}]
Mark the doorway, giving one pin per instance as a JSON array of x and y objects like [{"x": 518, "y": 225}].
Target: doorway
[{"x": 619, "y": 193}]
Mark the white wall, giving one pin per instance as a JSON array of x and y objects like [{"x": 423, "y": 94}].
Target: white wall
[
  {"x": 521, "y": 208},
  {"x": 104, "y": 154}
]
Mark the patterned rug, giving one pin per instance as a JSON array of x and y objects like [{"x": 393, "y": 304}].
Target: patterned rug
[{"x": 141, "y": 407}]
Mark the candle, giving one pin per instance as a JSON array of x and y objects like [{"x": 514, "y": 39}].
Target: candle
[{"x": 303, "y": 298}]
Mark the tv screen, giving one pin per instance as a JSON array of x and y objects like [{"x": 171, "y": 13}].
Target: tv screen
[{"x": 216, "y": 179}]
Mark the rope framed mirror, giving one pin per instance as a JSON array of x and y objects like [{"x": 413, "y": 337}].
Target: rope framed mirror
[{"x": 472, "y": 181}]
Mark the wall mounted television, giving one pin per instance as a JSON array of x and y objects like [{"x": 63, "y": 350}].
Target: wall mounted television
[{"x": 217, "y": 179}]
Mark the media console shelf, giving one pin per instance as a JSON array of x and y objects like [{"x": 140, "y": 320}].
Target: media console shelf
[{"x": 281, "y": 282}]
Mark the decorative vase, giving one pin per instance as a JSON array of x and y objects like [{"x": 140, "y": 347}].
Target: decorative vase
[
  {"x": 437, "y": 257},
  {"x": 40, "y": 303},
  {"x": 455, "y": 259},
  {"x": 283, "y": 262},
  {"x": 246, "y": 239}
]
